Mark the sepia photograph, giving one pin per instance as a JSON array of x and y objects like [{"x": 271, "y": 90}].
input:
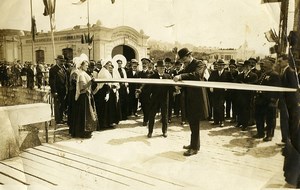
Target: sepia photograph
[{"x": 149, "y": 94}]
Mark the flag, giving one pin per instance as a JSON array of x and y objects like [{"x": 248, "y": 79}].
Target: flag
[
  {"x": 79, "y": 2},
  {"x": 33, "y": 28},
  {"x": 112, "y": 1},
  {"x": 169, "y": 26},
  {"x": 270, "y": 1},
  {"x": 271, "y": 36},
  {"x": 49, "y": 7}
]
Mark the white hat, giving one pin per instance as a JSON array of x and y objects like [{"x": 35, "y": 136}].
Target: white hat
[
  {"x": 77, "y": 61},
  {"x": 105, "y": 61},
  {"x": 84, "y": 57}
]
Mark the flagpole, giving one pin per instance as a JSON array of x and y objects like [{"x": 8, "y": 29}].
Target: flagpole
[
  {"x": 32, "y": 41},
  {"x": 88, "y": 16},
  {"x": 52, "y": 35}
]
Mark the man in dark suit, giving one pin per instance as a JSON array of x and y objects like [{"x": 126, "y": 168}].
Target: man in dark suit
[
  {"x": 123, "y": 94},
  {"x": 193, "y": 70},
  {"x": 159, "y": 96},
  {"x": 132, "y": 96},
  {"x": 245, "y": 96},
  {"x": 219, "y": 75},
  {"x": 144, "y": 95},
  {"x": 266, "y": 102},
  {"x": 169, "y": 70},
  {"x": 58, "y": 85}
]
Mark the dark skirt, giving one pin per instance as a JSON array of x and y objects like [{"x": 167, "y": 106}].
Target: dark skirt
[{"x": 84, "y": 121}]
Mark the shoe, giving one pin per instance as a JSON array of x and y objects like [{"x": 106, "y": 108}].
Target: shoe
[
  {"x": 169, "y": 121},
  {"x": 189, "y": 147},
  {"x": 268, "y": 138},
  {"x": 244, "y": 128},
  {"x": 232, "y": 121},
  {"x": 222, "y": 124},
  {"x": 258, "y": 136},
  {"x": 183, "y": 123},
  {"x": 136, "y": 115},
  {"x": 145, "y": 123},
  {"x": 238, "y": 126},
  {"x": 165, "y": 134},
  {"x": 149, "y": 135},
  {"x": 215, "y": 123},
  {"x": 190, "y": 152}
]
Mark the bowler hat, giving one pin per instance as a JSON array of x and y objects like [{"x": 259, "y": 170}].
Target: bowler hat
[
  {"x": 119, "y": 60},
  {"x": 160, "y": 63},
  {"x": 183, "y": 52},
  {"x": 220, "y": 62},
  {"x": 168, "y": 60},
  {"x": 60, "y": 57}
]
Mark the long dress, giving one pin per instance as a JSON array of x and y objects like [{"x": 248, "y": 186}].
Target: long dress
[{"x": 84, "y": 121}]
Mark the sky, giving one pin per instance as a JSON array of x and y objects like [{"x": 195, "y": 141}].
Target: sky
[{"x": 211, "y": 23}]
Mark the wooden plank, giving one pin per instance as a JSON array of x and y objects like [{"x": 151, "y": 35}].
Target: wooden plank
[
  {"x": 206, "y": 84},
  {"x": 134, "y": 177}
]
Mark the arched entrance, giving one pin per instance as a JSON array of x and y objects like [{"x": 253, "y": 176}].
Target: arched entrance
[{"x": 125, "y": 50}]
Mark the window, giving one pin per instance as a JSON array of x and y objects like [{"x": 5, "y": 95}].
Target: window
[
  {"x": 40, "y": 56},
  {"x": 227, "y": 57}
]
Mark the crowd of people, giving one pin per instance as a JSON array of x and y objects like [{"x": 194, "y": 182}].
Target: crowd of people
[{"x": 26, "y": 75}]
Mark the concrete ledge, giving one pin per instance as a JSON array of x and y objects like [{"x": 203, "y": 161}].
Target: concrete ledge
[{"x": 12, "y": 117}]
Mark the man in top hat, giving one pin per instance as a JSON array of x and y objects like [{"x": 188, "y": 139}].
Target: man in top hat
[
  {"x": 219, "y": 75},
  {"x": 58, "y": 85},
  {"x": 159, "y": 96},
  {"x": 193, "y": 70},
  {"x": 266, "y": 102},
  {"x": 132, "y": 96}
]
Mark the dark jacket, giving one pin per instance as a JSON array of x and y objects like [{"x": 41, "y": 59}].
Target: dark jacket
[
  {"x": 58, "y": 80},
  {"x": 193, "y": 71}
]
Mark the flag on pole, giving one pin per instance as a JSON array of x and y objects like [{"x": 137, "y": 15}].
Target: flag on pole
[
  {"x": 112, "y": 1},
  {"x": 271, "y": 36},
  {"x": 33, "y": 28},
  {"x": 49, "y": 7},
  {"x": 270, "y": 1}
]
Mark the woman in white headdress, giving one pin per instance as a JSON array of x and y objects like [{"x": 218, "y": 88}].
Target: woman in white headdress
[
  {"x": 85, "y": 118},
  {"x": 101, "y": 95}
]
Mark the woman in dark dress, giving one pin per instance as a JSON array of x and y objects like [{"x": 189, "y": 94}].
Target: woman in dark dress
[{"x": 84, "y": 121}]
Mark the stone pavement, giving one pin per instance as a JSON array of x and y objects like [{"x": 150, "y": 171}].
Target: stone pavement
[{"x": 124, "y": 158}]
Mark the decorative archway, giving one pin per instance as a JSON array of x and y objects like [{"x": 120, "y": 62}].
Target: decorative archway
[{"x": 125, "y": 50}]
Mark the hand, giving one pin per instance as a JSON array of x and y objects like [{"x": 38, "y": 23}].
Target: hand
[
  {"x": 138, "y": 91},
  {"x": 115, "y": 90},
  {"x": 177, "y": 78},
  {"x": 177, "y": 88},
  {"x": 106, "y": 97},
  {"x": 211, "y": 89}
]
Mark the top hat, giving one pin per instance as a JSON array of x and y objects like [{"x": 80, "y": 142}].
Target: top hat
[
  {"x": 60, "y": 57},
  {"x": 247, "y": 62},
  {"x": 160, "y": 63},
  {"x": 183, "y": 52}
]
